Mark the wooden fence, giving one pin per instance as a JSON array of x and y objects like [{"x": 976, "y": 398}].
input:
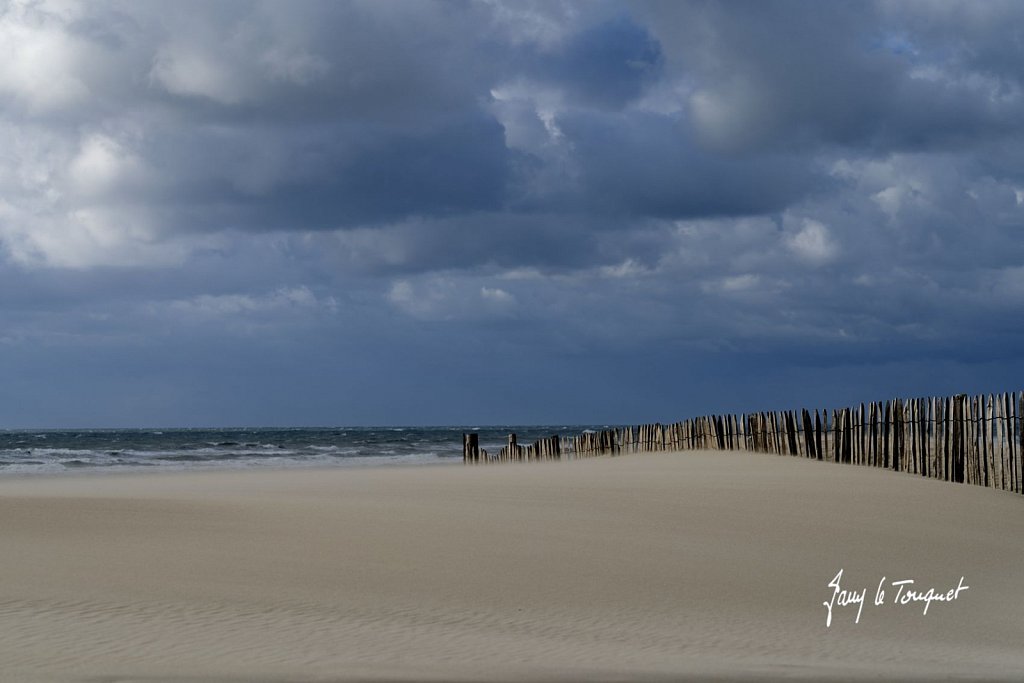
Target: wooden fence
[
  {"x": 542, "y": 449},
  {"x": 970, "y": 439}
]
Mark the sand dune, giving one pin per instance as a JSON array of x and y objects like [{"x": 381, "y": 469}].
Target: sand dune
[{"x": 702, "y": 566}]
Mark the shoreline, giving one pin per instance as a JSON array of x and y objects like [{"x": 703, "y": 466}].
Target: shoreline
[
  {"x": 144, "y": 471},
  {"x": 669, "y": 566}
]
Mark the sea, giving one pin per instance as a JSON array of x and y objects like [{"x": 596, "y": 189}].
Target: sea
[{"x": 43, "y": 451}]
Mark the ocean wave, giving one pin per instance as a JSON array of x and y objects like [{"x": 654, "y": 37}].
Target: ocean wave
[{"x": 66, "y": 451}]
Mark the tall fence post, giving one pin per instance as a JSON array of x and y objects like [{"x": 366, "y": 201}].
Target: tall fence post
[{"x": 470, "y": 447}]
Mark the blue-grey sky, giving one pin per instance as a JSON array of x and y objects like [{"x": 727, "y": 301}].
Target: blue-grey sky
[{"x": 375, "y": 212}]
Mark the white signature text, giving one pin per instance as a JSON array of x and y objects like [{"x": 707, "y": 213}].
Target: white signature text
[{"x": 905, "y": 593}]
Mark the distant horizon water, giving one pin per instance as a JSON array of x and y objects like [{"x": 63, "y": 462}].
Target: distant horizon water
[{"x": 63, "y": 450}]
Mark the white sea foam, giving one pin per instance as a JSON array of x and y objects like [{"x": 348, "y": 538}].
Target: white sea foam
[{"x": 78, "y": 451}]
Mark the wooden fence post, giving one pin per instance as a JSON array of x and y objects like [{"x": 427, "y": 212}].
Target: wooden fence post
[{"x": 470, "y": 447}]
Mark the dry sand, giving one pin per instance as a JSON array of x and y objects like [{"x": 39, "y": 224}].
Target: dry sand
[{"x": 695, "y": 566}]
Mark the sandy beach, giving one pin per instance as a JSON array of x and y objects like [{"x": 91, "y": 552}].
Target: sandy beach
[{"x": 696, "y": 566}]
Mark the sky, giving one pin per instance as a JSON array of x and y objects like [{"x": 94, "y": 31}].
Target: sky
[{"x": 409, "y": 213}]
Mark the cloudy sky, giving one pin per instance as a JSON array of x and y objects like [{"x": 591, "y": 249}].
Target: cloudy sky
[{"x": 343, "y": 213}]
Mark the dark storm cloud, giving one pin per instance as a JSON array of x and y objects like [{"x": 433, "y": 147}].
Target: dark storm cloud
[
  {"x": 648, "y": 165},
  {"x": 261, "y": 178},
  {"x": 334, "y": 115},
  {"x": 606, "y": 65},
  {"x": 848, "y": 73},
  {"x": 489, "y": 242},
  {"x": 495, "y": 190}
]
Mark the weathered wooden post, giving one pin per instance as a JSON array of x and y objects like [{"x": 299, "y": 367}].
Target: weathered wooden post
[
  {"x": 1018, "y": 404},
  {"x": 933, "y": 437},
  {"x": 989, "y": 451},
  {"x": 862, "y": 419},
  {"x": 948, "y": 464},
  {"x": 1001, "y": 479},
  {"x": 1013, "y": 444},
  {"x": 969, "y": 440},
  {"x": 872, "y": 435},
  {"x": 470, "y": 447},
  {"x": 956, "y": 450}
]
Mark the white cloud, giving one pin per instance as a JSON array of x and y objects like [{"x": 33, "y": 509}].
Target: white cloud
[
  {"x": 522, "y": 273},
  {"x": 812, "y": 243},
  {"x": 69, "y": 203},
  {"x": 39, "y": 59},
  {"x": 101, "y": 165},
  {"x": 627, "y": 269},
  {"x": 890, "y": 199},
  {"x": 450, "y": 297},
  {"x": 223, "y": 305},
  {"x": 88, "y": 237},
  {"x": 529, "y": 113},
  {"x": 496, "y": 295},
  {"x": 739, "y": 283},
  {"x": 730, "y": 115},
  {"x": 543, "y": 24},
  {"x": 430, "y": 298},
  {"x": 193, "y": 71}
]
